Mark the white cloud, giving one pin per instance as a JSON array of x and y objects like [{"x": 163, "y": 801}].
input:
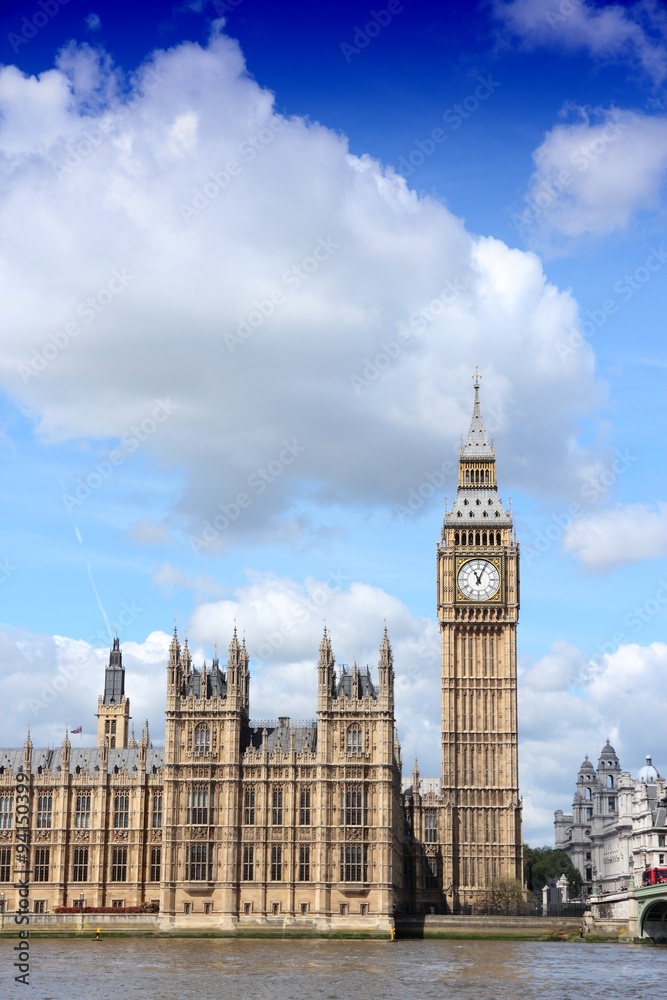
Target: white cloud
[
  {"x": 98, "y": 196},
  {"x": 594, "y": 174},
  {"x": 568, "y": 704},
  {"x": 618, "y": 696},
  {"x": 634, "y": 32},
  {"x": 618, "y": 537}
]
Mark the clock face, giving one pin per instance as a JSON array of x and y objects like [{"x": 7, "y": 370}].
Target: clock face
[{"x": 479, "y": 579}]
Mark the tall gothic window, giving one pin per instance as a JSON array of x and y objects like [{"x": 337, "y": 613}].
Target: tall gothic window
[
  {"x": 198, "y": 805},
  {"x": 42, "y": 861},
  {"x": 354, "y": 806},
  {"x": 430, "y": 827},
  {"x": 304, "y": 807},
  {"x": 156, "y": 864},
  {"x": 44, "y": 811},
  {"x": 354, "y": 740},
  {"x": 277, "y": 807},
  {"x": 5, "y": 864},
  {"x": 80, "y": 865},
  {"x": 6, "y": 812},
  {"x": 248, "y": 863},
  {"x": 304, "y": 863},
  {"x": 431, "y": 879},
  {"x": 119, "y": 864},
  {"x": 354, "y": 863},
  {"x": 199, "y": 863},
  {"x": 121, "y": 811},
  {"x": 82, "y": 814},
  {"x": 202, "y": 740},
  {"x": 249, "y": 807},
  {"x": 276, "y": 863},
  {"x": 157, "y": 810}
]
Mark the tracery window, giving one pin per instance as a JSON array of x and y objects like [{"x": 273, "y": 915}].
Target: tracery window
[
  {"x": 198, "y": 811},
  {"x": 304, "y": 807},
  {"x": 202, "y": 740},
  {"x": 80, "y": 865},
  {"x": 121, "y": 811},
  {"x": 42, "y": 861},
  {"x": 354, "y": 740},
  {"x": 199, "y": 863},
  {"x": 44, "y": 812},
  {"x": 119, "y": 864},
  {"x": 6, "y": 812},
  {"x": 248, "y": 863},
  {"x": 82, "y": 814},
  {"x": 157, "y": 810},
  {"x": 156, "y": 864},
  {"x": 304, "y": 863},
  {"x": 249, "y": 807},
  {"x": 354, "y": 806},
  {"x": 430, "y": 827},
  {"x": 276, "y": 863},
  {"x": 354, "y": 863},
  {"x": 277, "y": 807}
]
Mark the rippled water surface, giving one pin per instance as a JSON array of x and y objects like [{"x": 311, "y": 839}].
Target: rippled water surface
[{"x": 332, "y": 970}]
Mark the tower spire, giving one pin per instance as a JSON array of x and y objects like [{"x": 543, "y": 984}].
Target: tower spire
[{"x": 477, "y": 443}]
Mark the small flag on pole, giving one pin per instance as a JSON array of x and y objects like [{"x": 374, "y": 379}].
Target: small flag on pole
[{"x": 79, "y": 730}]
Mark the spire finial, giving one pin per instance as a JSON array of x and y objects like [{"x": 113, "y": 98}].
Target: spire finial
[{"x": 476, "y": 378}]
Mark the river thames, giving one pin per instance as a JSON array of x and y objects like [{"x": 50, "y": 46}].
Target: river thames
[{"x": 180, "y": 969}]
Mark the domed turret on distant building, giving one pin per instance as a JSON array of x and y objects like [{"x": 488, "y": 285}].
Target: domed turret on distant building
[{"x": 617, "y": 826}]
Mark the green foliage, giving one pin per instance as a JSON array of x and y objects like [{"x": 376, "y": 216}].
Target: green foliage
[
  {"x": 505, "y": 896},
  {"x": 543, "y": 863}
]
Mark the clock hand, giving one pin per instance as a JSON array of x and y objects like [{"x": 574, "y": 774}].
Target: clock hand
[{"x": 478, "y": 577}]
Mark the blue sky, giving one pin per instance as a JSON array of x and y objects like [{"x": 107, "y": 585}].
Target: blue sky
[{"x": 249, "y": 263}]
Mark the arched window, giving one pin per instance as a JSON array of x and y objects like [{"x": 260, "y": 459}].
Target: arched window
[
  {"x": 354, "y": 740},
  {"x": 587, "y": 795},
  {"x": 477, "y": 538},
  {"x": 467, "y": 477},
  {"x": 610, "y": 781},
  {"x": 497, "y": 538},
  {"x": 486, "y": 475},
  {"x": 456, "y": 538},
  {"x": 202, "y": 739},
  {"x": 484, "y": 536}
]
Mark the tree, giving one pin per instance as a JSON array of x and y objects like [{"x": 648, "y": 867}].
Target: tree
[
  {"x": 505, "y": 896},
  {"x": 542, "y": 863}
]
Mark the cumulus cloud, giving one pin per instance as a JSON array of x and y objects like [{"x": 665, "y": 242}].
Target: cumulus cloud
[
  {"x": 633, "y": 33},
  {"x": 592, "y": 175},
  {"x": 615, "y": 695},
  {"x": 312, "y": 320},
  {"x": 618, "y": 537}
]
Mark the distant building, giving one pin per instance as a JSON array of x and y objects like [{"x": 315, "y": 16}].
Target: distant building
[
  {"x": 617, "y": 826},
  {"x": 245, "y": 821}
]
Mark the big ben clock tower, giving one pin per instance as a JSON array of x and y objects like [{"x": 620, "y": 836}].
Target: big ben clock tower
[{"x": 478, "y": 608}]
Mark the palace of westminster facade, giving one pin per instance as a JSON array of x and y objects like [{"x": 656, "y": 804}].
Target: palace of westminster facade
[{"x": 232, "y": 823}]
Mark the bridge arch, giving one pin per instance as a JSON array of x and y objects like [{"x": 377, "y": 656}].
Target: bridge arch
[{"x": 653, "y": 920}]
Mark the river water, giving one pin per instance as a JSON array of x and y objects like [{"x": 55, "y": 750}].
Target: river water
[{"x": 229, "y": 969}]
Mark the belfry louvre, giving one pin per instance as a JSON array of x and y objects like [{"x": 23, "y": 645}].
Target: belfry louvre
[{"x": 234, "y": 823}]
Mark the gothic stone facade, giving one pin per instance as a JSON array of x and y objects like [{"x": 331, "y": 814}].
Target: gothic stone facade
[{"x": 236, "y": 822}]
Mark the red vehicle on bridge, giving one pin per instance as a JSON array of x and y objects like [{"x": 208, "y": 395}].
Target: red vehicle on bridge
[{"x": 654, "y": 876}]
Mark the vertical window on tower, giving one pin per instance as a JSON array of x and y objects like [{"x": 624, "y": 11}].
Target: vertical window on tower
[
  {"x": 611, "y": 804},
  {"x": 80, "y": 865},
  {"x": 199, "y": 863},
  {"x": 304, "y": 863},
  {"x": 249, "y": 807},
  {"x": 430, "y": 827},
  {"x": 5, "y": 864},
  {"x": 589, "y": 813},
  {"x": 277, "y": 807},
  {"x": 156, "y": 864},
  {"x": 354, "y": 863},
  {"x": 304, "y": 807},
  {"x": 276, "y": 863},
  {"x": 248, "y": 863},
  {"x": 121, "y": 811},
  {"x": 42, "y": 862},
  {"x": 354, "y": 806},
  {"x": 6, "y": 812},
  {"x": 198, "y": 806},
  {"x": 431, "y": 880},
  {"x": 44, "y": 811},
  {"x": 82, "y": 814},
  {"x": 202, "y": 740},
  {"x": 157, "y": 810},
  {"x": 119, "y": 864},
  {"x": 354, "y": 740}
]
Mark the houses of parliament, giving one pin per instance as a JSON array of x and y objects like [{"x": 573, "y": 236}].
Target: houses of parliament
[{"x": 234, "y": 823}]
